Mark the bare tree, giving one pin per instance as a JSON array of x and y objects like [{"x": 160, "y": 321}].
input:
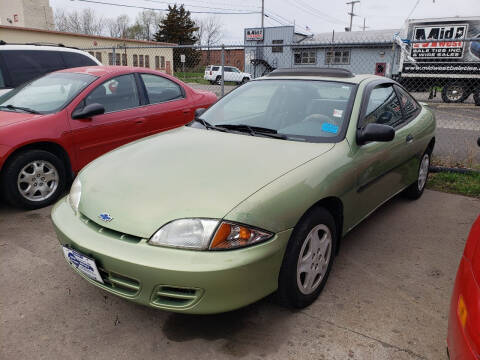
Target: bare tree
[
  {"x": 210, "y": 32},
  {"x": 148, "y": 20},
  {"x": 118, "y": 27},
  {"x": 84, "y": 22}
]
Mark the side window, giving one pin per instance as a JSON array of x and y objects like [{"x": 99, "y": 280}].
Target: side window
[
  {"x": 25, "y": 65},
  {"x": 383, "y": 107},
  {"x": 160, "y": 89},
  {"x": 76, "y": 60},
  {"x": 409, "y": 105},
  {"x": 116, "y": 94},
  {"x": 2, "y": 80}
]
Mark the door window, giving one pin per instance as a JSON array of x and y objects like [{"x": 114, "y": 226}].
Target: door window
[
  {"x": 116, "y": 94},
  {"x": 383, "y": 107},
  {"x": 25, "y": 65},
  {"x": 409, "y": 105},
  {"x": 160, "y": 89}
]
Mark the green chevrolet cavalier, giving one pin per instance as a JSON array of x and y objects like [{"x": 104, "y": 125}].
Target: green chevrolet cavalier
[{"x": 252, "y": 197}]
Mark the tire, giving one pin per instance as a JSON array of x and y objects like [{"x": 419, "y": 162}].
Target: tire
[
  {"x": 41, "y": 164},
  {"x": 476, "y": 95},
  {"x": 415, "y": 190},
  {"x": 218, "y": 80},
  {"x": 293, "y": 290},
  {"x": 244, "y": 80},
  {"x": 212, "y": 82},
  {"x": 455, "y": 92}
]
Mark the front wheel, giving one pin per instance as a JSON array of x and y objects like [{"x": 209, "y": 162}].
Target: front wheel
[
  {"x": 308, "y": 259},
  {"x": 415, "y": 190},
  {"x": 33, "y": 179},
  {"x": 244, "y": 80},
  {"x": 454, "y": 92},
  {"x": 476, "y": 95}
]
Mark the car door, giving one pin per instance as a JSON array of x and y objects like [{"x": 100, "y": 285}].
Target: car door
[
  {"x": 120, "y": 124},
  {"x": 382, "y": 167},
  {"x": 168, "y": 106}
]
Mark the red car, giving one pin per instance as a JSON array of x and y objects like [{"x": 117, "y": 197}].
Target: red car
[
  {"x": 53, "y": 126},
  {"x": 463, "y": 339}
]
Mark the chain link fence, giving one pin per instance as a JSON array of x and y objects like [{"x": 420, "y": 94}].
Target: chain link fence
[{"x": 450, "y": 87}]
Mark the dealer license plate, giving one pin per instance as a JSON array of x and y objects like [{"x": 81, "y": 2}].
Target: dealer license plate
[{"x": 83, "y": 263}]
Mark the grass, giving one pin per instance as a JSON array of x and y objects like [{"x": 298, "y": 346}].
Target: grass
[{"x": 463, "y": 184}]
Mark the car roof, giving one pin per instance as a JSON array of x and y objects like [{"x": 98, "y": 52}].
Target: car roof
[
  {"x": 103, "y": 70},
  {"x": 355, "y": 79},
  {"x": 45, "y": 47}
]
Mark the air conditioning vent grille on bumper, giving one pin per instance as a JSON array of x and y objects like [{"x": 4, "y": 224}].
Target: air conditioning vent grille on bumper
[{"x": 175, "y": 297}]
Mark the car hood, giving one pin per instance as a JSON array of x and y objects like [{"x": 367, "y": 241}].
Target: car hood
[
  {"x": 11, "y": 117},
  {"x": 185, "y": 172}
]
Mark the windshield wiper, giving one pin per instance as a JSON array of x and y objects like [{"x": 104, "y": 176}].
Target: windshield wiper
[
  {"x": 254, "y": 130},
  {"x": 13, "y": 107},
  {"x": 208, "y": 126}
]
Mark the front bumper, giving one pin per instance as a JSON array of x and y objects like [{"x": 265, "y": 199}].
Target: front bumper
[{"x": 177, "y": 280}]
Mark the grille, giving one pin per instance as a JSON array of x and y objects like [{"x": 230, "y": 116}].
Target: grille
[
  {"x": 120, "y": 283},
  {"x": 109, "y": 232},
  {"x": 173, "y": 296}
]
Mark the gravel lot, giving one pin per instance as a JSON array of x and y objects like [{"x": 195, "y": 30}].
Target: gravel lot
[{"x": 387, "y": 298}]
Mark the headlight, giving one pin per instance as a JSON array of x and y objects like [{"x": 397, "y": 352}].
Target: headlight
[
  {"x": 75, "y": 194},
  {"x": 200, "y": 234},
  {"x": 185, "y": 233}
]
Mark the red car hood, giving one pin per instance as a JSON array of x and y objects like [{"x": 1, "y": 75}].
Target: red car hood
[{"x": 11, "y": 117}]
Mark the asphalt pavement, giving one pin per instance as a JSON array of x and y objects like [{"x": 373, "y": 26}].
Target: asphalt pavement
[{"x": 387, "y": 298}]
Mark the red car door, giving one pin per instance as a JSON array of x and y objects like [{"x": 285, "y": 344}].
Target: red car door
[
  {"x": 169, "y": 106},
  {"x": 121, "y": 123}
]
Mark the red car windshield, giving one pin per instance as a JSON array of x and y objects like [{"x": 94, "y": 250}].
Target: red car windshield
[{"x": 46, "y": 95}]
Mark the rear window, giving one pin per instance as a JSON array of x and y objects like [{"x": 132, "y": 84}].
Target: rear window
[
  {"x": 25, "y": 65},
  {"x": 76, "y": 60}
]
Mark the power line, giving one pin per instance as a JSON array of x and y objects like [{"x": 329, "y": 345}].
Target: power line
[
  {"x": 158, "y": 9},
  {"x": 312, "y": 11},
  {"x": 196, "y": 6}
]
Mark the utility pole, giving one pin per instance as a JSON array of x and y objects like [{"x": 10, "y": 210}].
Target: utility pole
[
  {"x": 263, "y": 11},
  {"x": 364, "y": 26},
  {"x": 352, "y": 14}
]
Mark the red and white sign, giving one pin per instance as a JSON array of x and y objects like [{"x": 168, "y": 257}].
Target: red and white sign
[{"x": 446, "y": 41}]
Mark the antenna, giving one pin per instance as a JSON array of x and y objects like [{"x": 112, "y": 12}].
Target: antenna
[{"x": 352, "y": 14}]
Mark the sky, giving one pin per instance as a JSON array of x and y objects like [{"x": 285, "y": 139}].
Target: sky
[{"x": 309, "y": 16}]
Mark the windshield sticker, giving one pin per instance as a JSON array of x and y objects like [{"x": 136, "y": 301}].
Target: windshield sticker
[
  {"x": 330, "y": 128},
  {"x": 337, "y": 113}
]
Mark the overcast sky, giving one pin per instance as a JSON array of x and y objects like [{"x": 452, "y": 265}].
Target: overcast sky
[{"x": 315, "y": 15}]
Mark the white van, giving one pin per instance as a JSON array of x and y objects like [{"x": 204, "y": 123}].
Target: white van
[{"x": 20, "y": 63}]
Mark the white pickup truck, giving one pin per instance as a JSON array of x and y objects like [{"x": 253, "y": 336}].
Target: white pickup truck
[{"x": 213, "y": 73}]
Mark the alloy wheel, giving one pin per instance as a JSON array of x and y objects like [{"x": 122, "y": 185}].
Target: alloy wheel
[
  {"x": 423, "y": 171},
  {"x": 38, "y": 180},
  {"x": 314, "y": 258}
]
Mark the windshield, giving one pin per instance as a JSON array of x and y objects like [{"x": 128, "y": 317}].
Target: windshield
[
  {"x": 302, "y": 110},
  {"x": 46, "y": 95}
]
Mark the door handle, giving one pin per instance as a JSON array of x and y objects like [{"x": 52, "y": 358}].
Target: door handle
[
  {"x": 409, "y": 138},
  {"x": 139, "y": 121}
]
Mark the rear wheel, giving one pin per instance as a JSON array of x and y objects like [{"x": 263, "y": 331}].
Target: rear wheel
[
  {"x": 218, "y": 80},
  {"x": 33, "y": 179},
  {"x": 415, "y": 190},
  {"x": 476, "y": 95},
  {"x": 454, "y": 92},
  {"x": 308, "y": 259}
]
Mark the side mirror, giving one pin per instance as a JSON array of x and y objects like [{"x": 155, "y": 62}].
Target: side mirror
[
  {"x": 199, "y": 112},
  {"x": 375, "y": 132},
  {"x": 88, "y": 111}
]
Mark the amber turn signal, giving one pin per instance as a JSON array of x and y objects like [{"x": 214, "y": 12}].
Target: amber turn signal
[{"x": 232, "y": 236}]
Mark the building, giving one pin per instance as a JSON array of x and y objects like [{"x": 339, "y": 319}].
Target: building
[
  {"x": 27, "y": 13},
  {"x": 109, "y": 51},
  {"x": 233, "y": 57},
  {"x": 358, "y": 51}
]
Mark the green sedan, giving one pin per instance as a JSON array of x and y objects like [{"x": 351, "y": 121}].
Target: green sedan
[{"x": 253, "y": 197}]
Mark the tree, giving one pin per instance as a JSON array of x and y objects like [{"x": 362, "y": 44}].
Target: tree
[
  {"x": 84, "y": 22},
  {"x": 118, "y": 27},
  {"x": 178, "y": 27},
  {"x": 210, "y": 32},
  {"x": 148, "y": 21}
]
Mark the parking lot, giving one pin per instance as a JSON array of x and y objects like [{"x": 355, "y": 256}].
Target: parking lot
[{"x": 387, "y": 298}]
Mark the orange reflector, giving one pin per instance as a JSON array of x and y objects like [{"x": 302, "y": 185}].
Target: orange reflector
[
  {"x": 462, "y": 311},
  {"x": 244, "y": 233},
  {"x": 221, "y": 235}
]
